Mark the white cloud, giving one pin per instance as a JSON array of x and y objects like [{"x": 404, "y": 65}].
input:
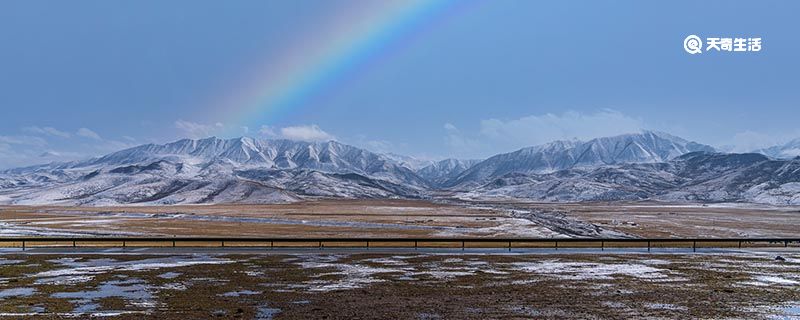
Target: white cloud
[
  {"x": 37, "y": 147},
  {"x": 548, "y": 127},
  {"x": 23, "y": 140},
  {"x": 268, "y": 132},
  {"x": 496, "y": 135},
  {"x": 372, "y": 144},
  {"x": 749, "y": 140},
  {"x": 23, "y": 150},
  {"x": 87, "y": 133},
  {"x": 746, "y": 141},
  {"x": 48, "y": 131},
  {"x": 301, "y": 132},
  {"x": 378, "y": 145},
  {"x": 50, "y": 153},
  {"x": 197, "y": 130},
  {"x": 306, "y": 133},
  {"x": 458, "y": 142}
]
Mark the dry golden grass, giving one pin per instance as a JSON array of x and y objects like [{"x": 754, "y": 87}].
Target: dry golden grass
[
  {"x": 411, "y": 218},
  {"x": 407, "y": 218},
  {"x": 665, "y": 220}
]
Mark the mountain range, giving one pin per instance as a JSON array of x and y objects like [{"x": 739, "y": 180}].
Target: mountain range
[
  {"x": 694, "y": 177},
  {"x": 638, "y": 166},
  {"x": 645, "y": 147},
  {"x": 788, "y": 150}
]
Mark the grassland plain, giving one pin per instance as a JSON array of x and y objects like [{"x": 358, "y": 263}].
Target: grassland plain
[
  {"x": 745, "y": 285},
  {"x": 408, "y": 218}
]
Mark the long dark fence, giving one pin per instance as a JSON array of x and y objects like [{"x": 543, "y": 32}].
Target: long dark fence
[{"x": 462, "y": 243}]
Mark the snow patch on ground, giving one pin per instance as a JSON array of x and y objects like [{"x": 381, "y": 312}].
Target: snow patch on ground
[
  {"x": 81, "y": 270},
  {"x": 4, "y": 262},
  {"x": 16, "y": 292},
  {"x": 665, "y": 306},
  {"x": 588, "y": 270},
  {"x": 763, "y": 280},
  {"x": 350, "y": 275}
]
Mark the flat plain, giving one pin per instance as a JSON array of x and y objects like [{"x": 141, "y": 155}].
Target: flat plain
[
  {"x": 250, "y": 283},
  {"x": 407, "y": 218}
]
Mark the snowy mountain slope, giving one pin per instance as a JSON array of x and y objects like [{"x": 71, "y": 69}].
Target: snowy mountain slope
[
  {"x": 647, "y": 165},
  {"x": 330, "y": 156},
  {"x": 737, "y": 177},
  {"x": 644, "y": 147},
  {"x": 406, "y": 161},
  {"x": 440, "y": 172},
  {"x": 214, "y": 170},
  {"x": 788, "y": 150},
  {"x": 694, "y": 177}
]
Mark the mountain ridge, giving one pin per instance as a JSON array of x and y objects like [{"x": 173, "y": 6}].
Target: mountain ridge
[
  {"x": 693, "y": 177},
  {"x": 646, "y": 146},
  {"x": 645, "y": 165}
]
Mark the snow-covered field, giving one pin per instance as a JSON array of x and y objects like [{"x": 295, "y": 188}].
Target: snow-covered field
[{"x": 747, "y": 284}]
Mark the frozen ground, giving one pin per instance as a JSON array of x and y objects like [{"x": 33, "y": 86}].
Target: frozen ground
[{"x": 746, "y": 284}]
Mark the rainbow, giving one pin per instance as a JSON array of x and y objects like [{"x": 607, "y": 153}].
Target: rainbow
[{"x": 353, "y": 36}]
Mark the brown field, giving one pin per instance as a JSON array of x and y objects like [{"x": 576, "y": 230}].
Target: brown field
[
  {"x": 660, "y": 220},
  {"x": 401, "y": 218},
  {"x": 325, "y": 218}
]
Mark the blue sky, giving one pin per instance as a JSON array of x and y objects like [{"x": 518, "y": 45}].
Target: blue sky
[{"x": 83, "y": 78}]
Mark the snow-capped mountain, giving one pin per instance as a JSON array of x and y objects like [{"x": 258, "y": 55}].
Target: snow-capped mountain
[
  {"x": 694, "y": 177},
  {"x": 646, "y": 165},
  {"x": 644, "y": 147},
  {"x": 442, "y": 171},
  {"x": 330, "y": 156},
  {"x": 788, "y": 150},
  {"x": 214, "y": 170},
  {"x": 407, "y": 161}
]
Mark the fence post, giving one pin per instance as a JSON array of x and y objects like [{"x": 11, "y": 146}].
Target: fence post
[{"x": 496, "y": 242}]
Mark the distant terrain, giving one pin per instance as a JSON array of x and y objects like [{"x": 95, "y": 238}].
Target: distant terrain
[{"x": 640, "y": 166}]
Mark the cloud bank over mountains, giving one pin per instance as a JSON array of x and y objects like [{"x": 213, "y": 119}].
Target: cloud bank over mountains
[
  {"x": 495, "y": 135},
  {"x": 36, "y": 144}
]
